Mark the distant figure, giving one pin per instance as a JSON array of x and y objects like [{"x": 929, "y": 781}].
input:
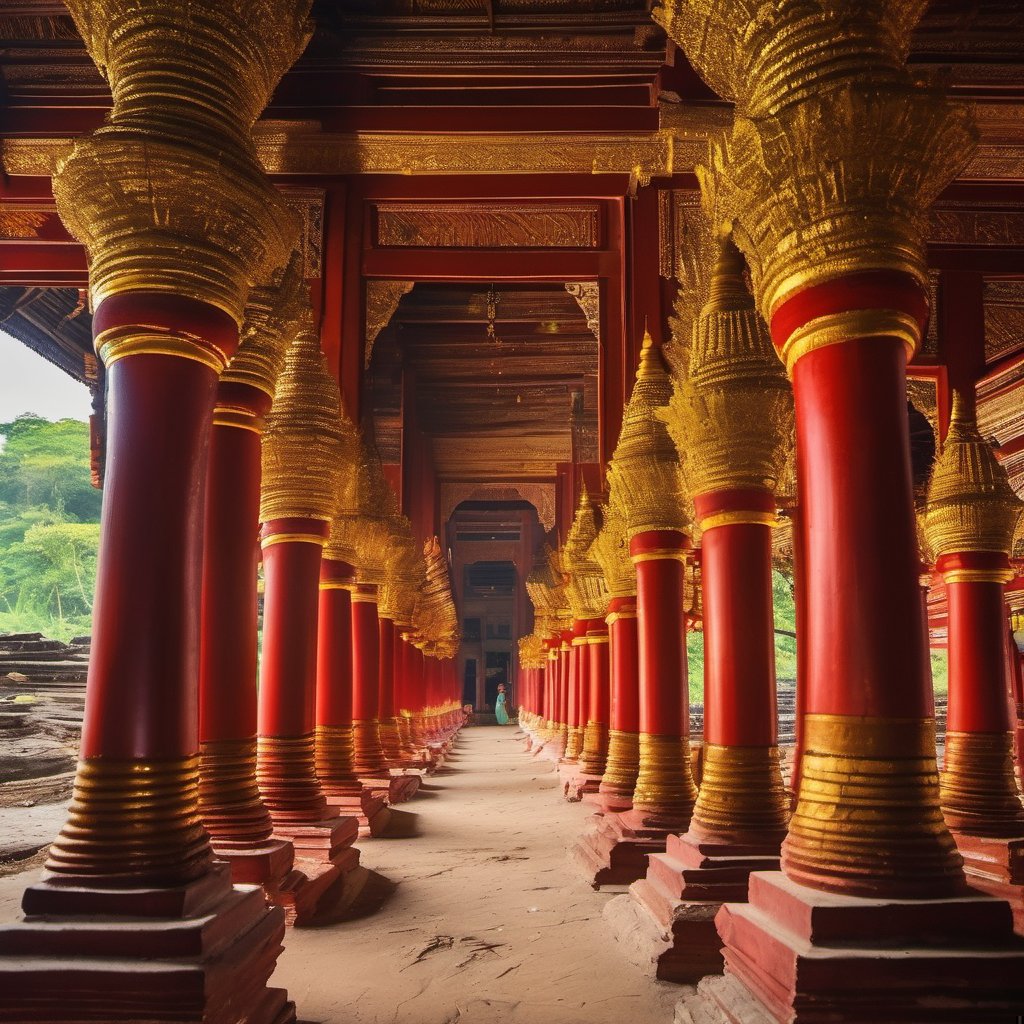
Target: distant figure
[{"x": 499, "y": 706}]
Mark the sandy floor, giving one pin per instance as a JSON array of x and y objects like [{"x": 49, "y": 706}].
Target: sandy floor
[{"x": 488, "y": 923}]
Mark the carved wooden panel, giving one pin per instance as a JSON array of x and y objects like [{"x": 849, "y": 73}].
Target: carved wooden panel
[
  {"x": 490, "y": 226},
  {"x": 1004, "y": 318}
]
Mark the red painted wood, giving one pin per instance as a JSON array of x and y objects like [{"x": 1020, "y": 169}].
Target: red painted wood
[
  {"x": 624, "y": 713},
  {"x": 739, "y": 628},
  {"x": 980, "y": 696},
  {"x": 386, "y": 707},
  {"x": 365, "y": 657},
  {"x": 664, "y": 693},
  {"x": 288, "y": 668},
  {"x": 142, "y": 691},
  {"x": 856, "y": 498},
  {"x": 334, "y": 648},
  {"x": 598, "y": 672},
  {"x": 488, "y": 264},
  {"x": 228, "y": 639}
]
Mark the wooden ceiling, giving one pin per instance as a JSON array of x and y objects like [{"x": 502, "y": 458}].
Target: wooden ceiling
[{"x": 496, "y": 409}]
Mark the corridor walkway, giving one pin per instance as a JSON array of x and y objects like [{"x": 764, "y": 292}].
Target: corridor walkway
[{"x": 488, "y": 923}]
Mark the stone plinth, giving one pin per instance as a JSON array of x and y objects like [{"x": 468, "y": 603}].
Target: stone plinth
[
  {"x": 613, "y": 849},
  {"x": 395, "y": 789},
  {"x": 201, "y": 952},
  {"x": 801, "y": 956},
  {"x": 580, "y": 785},
  {"x": 368, "y": 807},
  {"x": 666, "y": 923},
  {"x": 327, "y": 877},
  {"x": 996, "y": 866}
]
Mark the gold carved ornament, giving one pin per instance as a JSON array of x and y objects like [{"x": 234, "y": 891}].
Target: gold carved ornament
[
  {"x": 643, "y": 474},
  {"x": 610, "y": 549},
  {"x": 731, "y": 414},
  {"x": 406, "y": 574},
  {"x": 971, "y": 505},
  {"x": 305, "y": 449},
  {"x": 435, "y": 619},
  {"x": 168, "y": 195},
  {"x": 373, "y": 521},
  {"x": 585, "y": 586},
  {"x": 836, "y": 151},
  {"x": 272, "y": 314},
  {"x": 868, "y": 820}
]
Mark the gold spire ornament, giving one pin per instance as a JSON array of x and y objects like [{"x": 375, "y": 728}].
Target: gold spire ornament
[
  {"x": 305, "y": 448},
  {"x": 610, "y": 550},
  {"x": 973, "y": 510},
  {"x": 971, "y": 505},
  {"x": 731, "y": 414},
  {"x": 643, "y": 474}
]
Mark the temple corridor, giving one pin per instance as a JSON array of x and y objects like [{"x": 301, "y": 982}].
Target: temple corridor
[
  {"x": 649, "y": 373},
  {"x": 489, "y": 923}
]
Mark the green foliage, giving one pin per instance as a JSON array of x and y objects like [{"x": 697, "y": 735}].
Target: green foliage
[{"x": 49, "y": 527}]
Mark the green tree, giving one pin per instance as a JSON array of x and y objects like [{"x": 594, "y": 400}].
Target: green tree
[
  {"x": 49, "y": 527},
  {"x": 44, "y": 463}
]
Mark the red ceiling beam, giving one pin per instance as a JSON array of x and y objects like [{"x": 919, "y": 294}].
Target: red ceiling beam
[{"x": 487, "y": 264}]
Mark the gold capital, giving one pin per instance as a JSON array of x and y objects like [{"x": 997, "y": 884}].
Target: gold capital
[
  {"x": 837, "y": 150},
  {"x": 169, "y": 195}
]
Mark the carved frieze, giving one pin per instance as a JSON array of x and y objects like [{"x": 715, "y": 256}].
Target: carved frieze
[
  {"x": 382, "y": 299},
  {"x": 301, "y": 148},
  {"x": 540, "y": 495},
  {"x": 588, "y": 297},
  {"x": 24, "y": 220},
  {"x": 966, "y": 225},
  {"x": 489, "y": 226},
  {"x": 308, "y": 203},
  {"x": 1004, "y": 318}
]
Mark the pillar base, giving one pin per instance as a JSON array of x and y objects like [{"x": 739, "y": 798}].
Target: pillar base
[
  {"x": 613, "y": 849},
  {"x": 200, "y": 953},
  {"x": 666, "y": 924},
  {"x": 996, "y": 867},
  {"x": 802, "y": 956},
  {"x": 567, "y": 771},
  {"x": 368, "y": 807},
  {"x": 327, "y": 878},
  {"x": 579, "y": 785},
  {"x": 265, "y": 865},
  {"x": 396, "y": 789}
]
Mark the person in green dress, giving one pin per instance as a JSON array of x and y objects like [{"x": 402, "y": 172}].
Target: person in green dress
[{"x": 500, "y": 713}]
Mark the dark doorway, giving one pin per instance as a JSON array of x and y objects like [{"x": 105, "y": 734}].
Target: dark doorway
[
  {"x": 497, "y": 669},
  {"x": 469, "y": 682}
]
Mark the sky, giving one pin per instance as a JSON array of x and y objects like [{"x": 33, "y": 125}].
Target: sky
[{"x": 28, "y": 383}]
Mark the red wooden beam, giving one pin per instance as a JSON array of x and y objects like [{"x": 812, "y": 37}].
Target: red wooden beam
[{"x": 487, "y": 264}]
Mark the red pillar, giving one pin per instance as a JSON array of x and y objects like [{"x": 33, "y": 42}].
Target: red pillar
[
  {"x": 334, "y": 747},
  {"x": 623, "y": 764},
  {"x": 369, "y": 754},
  {"x": 387, "y": 709},
  {"x": 979, "y": 792},
  {"x": 665, "y": 792},
  {"x": 141, "y": 707},
  {"x": 852, "y": 441},
  {"x": 595, "y": 741},
  {"x": 229, "y": 799},
  {"x": 742, "y": 799},
  {"x": 576, "y": 688},
  {"x": 292, "y": 550}
]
